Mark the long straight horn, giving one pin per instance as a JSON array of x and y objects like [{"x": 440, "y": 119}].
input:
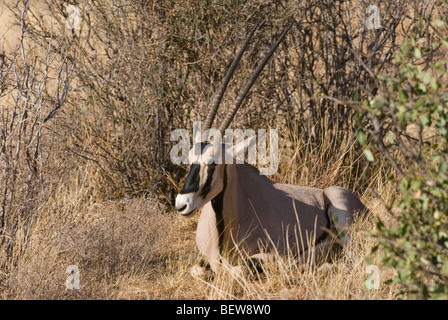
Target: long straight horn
[
  {"x": 242, "y": 94},
  {"x": 222, "y": 88}
]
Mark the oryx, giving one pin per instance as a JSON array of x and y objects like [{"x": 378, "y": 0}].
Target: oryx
[{"x": 244, "y": 211}]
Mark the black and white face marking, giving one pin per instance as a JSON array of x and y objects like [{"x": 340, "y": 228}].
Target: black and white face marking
[
  {"x": 192, "y": 181},
  {"x": 203, "y": 182}
]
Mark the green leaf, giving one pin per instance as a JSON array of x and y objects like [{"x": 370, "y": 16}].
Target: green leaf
[
  {"x": 403, "y": 95},
  {"x": 368, "y": 154},
  {"x": 439, "y": 23},
  {"x": 437, "y": 192},
  {"x": 415, "y": 184},
  {"x": 365, "y": 102},
  {"x": 421, "y": 22},
  {"x": 361, "y": 136},
  {"x": 404, "y": 183},
  {"x": 440, "y": 65},
  {"x": 434, "y": 84},
  {"x": 405, "y": 46},
  {"x": 436, "y": 158},
  {"x": 424, "y": 120},
  {"x": 417, "y": 53},
  {"x": 442, "y": 167},
  {"x": 421, "y": 87},
  {"x": 426, "y": 77},
  {"x": 390, "y": 137},
  {"x": 445, "y": 43}
]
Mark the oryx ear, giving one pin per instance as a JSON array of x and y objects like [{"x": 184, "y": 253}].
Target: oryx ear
[{"x": 237, "y": 151}]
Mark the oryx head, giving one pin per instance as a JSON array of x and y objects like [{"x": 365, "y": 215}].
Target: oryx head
[
  {"x": 204, "y": 180},
  {"x": 205, "y": 177}
]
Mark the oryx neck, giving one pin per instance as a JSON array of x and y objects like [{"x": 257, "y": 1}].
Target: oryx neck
[{"x": 218, "y": 207}]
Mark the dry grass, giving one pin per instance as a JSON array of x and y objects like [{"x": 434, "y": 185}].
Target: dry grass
[
  {"x": 139, "y": 249},
  {"x": 134, "y": 250}
]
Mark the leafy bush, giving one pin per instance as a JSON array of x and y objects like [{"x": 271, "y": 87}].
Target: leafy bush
[{"x": 407, "y": 123}]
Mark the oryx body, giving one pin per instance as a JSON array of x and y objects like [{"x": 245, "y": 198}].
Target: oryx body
[{"x": 246, "y": 212}]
